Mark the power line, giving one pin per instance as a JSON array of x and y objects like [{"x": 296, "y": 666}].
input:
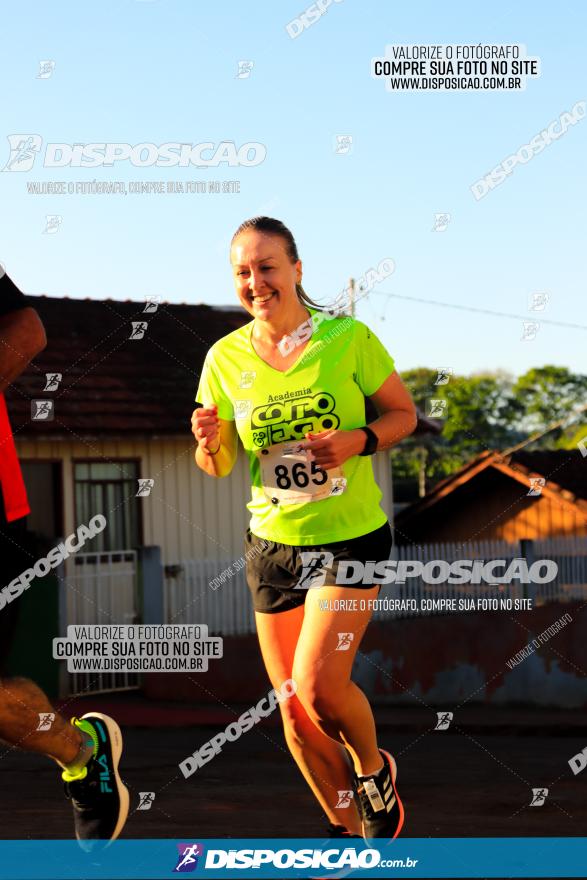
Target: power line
[{"x": 435, "y": 302}]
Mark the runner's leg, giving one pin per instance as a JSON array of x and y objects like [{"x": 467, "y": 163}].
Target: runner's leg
[
  {"x": 88, "y": 751},
  {"x": 21, "y": 703},
  {"x": 322, "y": 761},
  {"x": 323, "y": 674}
]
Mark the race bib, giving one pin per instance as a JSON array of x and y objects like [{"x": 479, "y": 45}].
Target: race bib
[{"x": 288, "y": 475}]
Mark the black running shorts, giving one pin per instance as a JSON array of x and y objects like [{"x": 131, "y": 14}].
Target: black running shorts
[{"x": 279, "y": 575}]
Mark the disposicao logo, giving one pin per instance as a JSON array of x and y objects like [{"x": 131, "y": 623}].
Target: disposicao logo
[{"x": 188, "y": 855}]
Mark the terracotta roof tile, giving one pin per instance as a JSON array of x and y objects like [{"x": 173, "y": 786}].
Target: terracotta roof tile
[
  {"x": 111, "y": 383},
  {"x": 116, "y": 385}
]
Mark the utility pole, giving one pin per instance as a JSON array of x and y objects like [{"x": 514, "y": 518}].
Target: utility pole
[
  {"x": 422, "y": 471},
  {"x": 352, "y": 296}
]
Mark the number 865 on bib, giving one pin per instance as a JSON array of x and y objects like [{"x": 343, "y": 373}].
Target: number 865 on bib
[{"x": 288, "y": 476}]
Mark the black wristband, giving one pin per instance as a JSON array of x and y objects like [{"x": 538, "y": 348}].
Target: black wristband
[{"x": 371, "y": 443}]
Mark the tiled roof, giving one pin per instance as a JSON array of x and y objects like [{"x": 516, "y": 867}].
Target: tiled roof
[
  {"x": 115, "y": 385},
  {"x": 563, "y": 467},
  {"x": 564, "y": 471}
]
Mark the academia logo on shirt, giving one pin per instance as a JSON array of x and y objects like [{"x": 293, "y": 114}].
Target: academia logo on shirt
[{"x": 291, "y": 419}]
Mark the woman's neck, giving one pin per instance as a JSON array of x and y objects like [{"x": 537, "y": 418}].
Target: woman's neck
[{"x": 272, "y": 332}]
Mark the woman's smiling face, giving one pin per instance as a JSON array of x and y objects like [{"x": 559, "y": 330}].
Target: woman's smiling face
[{"x": 264, "y": 277}]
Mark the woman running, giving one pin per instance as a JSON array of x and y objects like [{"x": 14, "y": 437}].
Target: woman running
[{"x": 291, "y": 384}]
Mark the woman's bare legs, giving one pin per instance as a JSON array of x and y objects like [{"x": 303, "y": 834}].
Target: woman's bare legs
[
  {"x": 322, "y": 761},
  {"x": 323, "y": 672}
]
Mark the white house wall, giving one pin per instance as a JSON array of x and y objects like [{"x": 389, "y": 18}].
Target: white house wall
[{"x": 190, "y": 515}]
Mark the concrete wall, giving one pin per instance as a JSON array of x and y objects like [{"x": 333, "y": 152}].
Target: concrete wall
[{"x": 443, "y": 661}]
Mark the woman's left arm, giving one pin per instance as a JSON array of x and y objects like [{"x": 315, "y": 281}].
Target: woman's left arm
[{"x": 398, "y": 419}]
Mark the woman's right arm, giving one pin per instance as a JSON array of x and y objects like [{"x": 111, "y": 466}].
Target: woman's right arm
[{"x": 213, "y": 433}]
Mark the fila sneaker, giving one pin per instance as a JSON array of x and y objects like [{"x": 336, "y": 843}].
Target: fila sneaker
[
  {"x": 382, "y": 812},
  {"x": 98, "y": 796}
]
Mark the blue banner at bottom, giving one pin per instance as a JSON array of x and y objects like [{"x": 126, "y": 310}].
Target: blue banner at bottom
[{"x": 298, "y": 857}]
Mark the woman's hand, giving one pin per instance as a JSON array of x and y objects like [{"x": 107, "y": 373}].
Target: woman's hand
[
  {"x": 206, "y": 427},
  {"x": 329, "y": 449}
]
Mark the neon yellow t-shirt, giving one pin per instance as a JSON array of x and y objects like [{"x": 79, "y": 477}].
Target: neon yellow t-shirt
[{"x": 293, "y": 501}]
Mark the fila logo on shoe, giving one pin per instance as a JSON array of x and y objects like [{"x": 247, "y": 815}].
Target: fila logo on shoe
[{"x": 105, "y": 774}]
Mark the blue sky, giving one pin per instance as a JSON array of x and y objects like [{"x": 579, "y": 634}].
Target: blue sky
[{"x": 133, "y": 71}]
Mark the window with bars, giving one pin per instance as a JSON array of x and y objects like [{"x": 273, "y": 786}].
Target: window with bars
[{"x": 108, "y": 488}]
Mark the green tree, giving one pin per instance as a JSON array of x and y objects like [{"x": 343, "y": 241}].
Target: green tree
[
  {"x": 487, "y": 411},
  {"x": 550, "y": 394}
]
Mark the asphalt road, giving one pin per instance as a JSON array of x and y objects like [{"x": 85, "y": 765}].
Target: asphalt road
[{"x": 452, "y": 784}]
